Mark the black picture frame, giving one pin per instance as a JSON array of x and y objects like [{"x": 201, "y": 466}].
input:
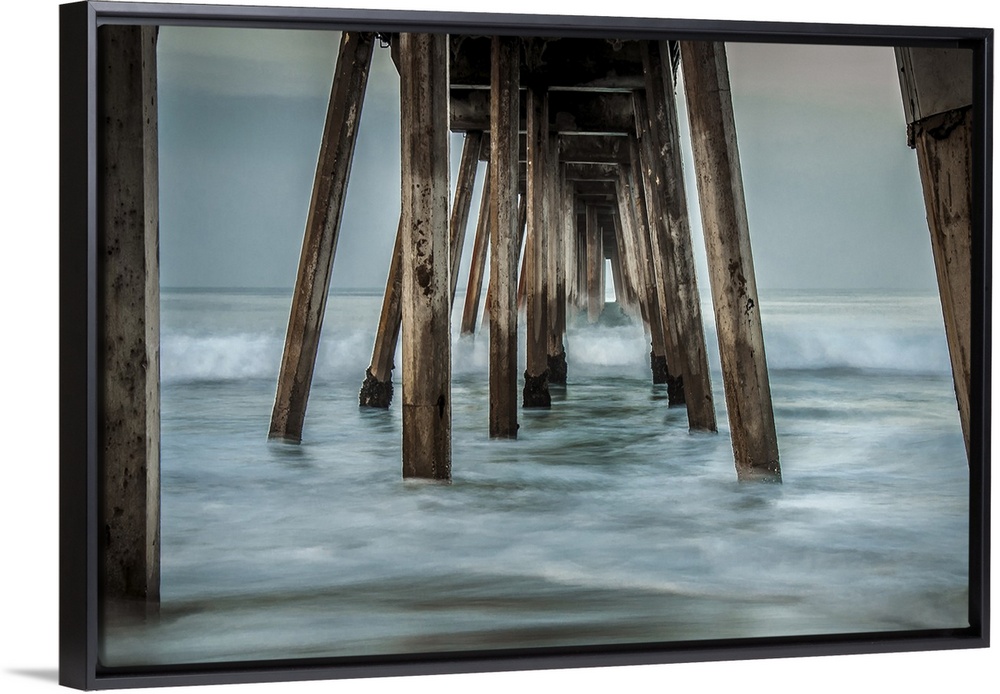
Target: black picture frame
[{"x": 79, "y": 330}]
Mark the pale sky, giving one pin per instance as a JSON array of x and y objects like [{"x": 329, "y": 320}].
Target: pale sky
[{"x": 832, "y": 190}]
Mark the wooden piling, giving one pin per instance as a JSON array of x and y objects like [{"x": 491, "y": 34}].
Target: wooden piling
[
  {"x": 555, "y": 269},
  {"x": 727, "y": 241},
  {"x": 426, "y": 352},
  {"x": 505, "y": 240},
  {"x": 319, "y": 244},
  {"x": 569, "y": 234},
  {"x": 595, "y": 266},
  {"x": 477, "y": 264},
  {"x": 376, "y": 391},
  {"x": 658, "y": 354},
  {"x": 536, "y": 374},
  {"x": 936, "y": 84},
  {"x": 621, "y": 262},
  {"x": 522, "y": 220},
  {"x": 674, "y": 237},
  {"x": 130, "y": 298}
]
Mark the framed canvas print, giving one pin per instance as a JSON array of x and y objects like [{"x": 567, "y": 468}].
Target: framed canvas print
[{"x": 401, "y": 342}]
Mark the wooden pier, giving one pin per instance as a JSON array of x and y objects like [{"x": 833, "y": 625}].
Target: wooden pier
[
  {"x": 583, "y": 167},
  {"x": 594, "y": 150}
]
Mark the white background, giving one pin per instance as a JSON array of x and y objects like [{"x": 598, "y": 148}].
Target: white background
[{"x": 29, "y": 392}]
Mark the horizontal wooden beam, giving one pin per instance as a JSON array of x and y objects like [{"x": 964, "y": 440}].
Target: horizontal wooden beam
[
  {"x": 569, "y": 112},
  {"x": 580, "y": 149},
  {"x": 575, "y": 63},
  {"x": 591, "y": 172}
]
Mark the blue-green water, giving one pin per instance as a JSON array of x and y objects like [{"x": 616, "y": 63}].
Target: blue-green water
[{"x": 605, "y": 522}]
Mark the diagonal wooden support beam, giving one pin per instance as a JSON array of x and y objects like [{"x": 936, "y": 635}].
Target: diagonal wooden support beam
[
  {"x": 477, "y": 265},
  {"x": 936, "y": 85},
  {"x": 730, "y": 261},
  {"x": 319, "y": 245},
  {"x": 462, "y": 203}
]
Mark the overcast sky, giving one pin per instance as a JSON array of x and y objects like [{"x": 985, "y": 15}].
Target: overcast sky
[{"x": 832, "y": 190}]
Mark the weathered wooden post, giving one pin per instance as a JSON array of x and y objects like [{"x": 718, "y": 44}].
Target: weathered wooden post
[
  {"x": 659, "y": 336},
  {"x": 522, "y": 215},
  {"x": 730, "y": 261},
  {"x": 555, "y": 270},
  {"x": 672, "y": 236},
  {"x": 568, "y": 231},
  {"x": 376, "y": 391},
  {"x": 536, "y": 374},
  {"x": 505, "y": 241},
  {"x": 622, "y": 265},
  {"x": 595, "y": 266},
  {"x": 319, "y": 244},
  {"x": 936, "y": 84},
  {"x": 625, "y": 235},
  {"x": 477, "y": 264},
  {"x": 426, "y": 353},
  {"x": 128, "y": 242}
]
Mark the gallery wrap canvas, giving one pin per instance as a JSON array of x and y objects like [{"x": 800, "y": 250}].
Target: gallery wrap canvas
[{"x": 210, "y": 536}]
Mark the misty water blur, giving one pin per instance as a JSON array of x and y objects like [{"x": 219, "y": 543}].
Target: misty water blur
[{"x": 605, "y": 522}]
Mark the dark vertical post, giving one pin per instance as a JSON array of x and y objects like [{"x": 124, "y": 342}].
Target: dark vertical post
[
  {"x": 595, "y": 266},
  {"x": 505, "y": 240},
  {"x": 462, "y": 204},
  {"x": 426, "y": 354},
  {"x": 319, "y": 244},
  {"x": 128, "y": 236},
  {"x": 477, "y": 264},
  {"x": 674, "y": 236},
  {"x": 730, "y": 261},
  {"x": 555, "y": 268},
  {"x": 936, "y": 84},
  {"x": 536, "y": 374},
  {"x": 570, "y": 280}
]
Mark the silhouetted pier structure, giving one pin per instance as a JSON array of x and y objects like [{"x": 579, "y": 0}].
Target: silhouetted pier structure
[{"x": 582, "y": 145}]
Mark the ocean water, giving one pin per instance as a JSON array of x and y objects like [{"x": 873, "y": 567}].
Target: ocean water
[{"x": 605, "y": 522}]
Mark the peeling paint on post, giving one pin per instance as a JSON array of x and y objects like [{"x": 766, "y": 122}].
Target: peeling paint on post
[
  {"x": 730, "y": 261},
  {"x": 319, "y": 244},
  {"x": 426, "y": 248},
  {"x": 505, "y": 235},
  {"x": 936, "y": 85},
  {"x": 128, "y": 240}
]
